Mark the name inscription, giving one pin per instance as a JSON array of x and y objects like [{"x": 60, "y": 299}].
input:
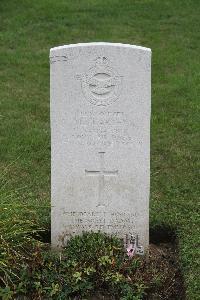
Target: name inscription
[{"x": 101, "y": 128}]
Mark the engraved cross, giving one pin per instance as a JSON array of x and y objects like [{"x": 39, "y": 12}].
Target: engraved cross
[{"x": 101, "y": 173}]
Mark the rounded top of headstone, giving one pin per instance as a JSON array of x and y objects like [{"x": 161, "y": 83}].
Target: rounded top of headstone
[{"x": 100, "y": 44}]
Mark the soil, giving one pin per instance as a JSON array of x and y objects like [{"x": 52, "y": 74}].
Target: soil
[{"x": 163, "y": 266}]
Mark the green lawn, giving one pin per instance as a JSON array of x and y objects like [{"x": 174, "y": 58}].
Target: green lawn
[{"x": 28, "y": 29}]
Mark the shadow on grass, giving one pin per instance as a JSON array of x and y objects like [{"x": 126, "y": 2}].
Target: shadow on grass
[
  {"x": 44, "y": 236},
  {"x": 162, "y": 234}
]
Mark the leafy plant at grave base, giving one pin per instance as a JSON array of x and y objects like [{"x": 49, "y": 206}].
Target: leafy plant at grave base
[{"x": 89, "y": 263}]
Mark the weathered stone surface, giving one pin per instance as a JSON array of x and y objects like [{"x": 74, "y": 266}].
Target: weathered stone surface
[{"x": 100, "y": 137}]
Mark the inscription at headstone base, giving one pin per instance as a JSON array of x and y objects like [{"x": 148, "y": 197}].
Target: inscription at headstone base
[{"x": 100, "y": 139}]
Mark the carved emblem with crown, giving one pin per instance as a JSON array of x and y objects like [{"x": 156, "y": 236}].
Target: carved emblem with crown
[{"x": 101, "y": 84}]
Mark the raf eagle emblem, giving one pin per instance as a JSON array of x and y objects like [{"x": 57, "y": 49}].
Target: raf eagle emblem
[{"x": 101, "y": 85}]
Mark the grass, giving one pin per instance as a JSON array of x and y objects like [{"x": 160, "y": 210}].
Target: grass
[{"x": 28, "y": 29}]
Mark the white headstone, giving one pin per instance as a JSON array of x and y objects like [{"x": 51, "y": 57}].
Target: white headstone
[{"x": 100, "y": 139}]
